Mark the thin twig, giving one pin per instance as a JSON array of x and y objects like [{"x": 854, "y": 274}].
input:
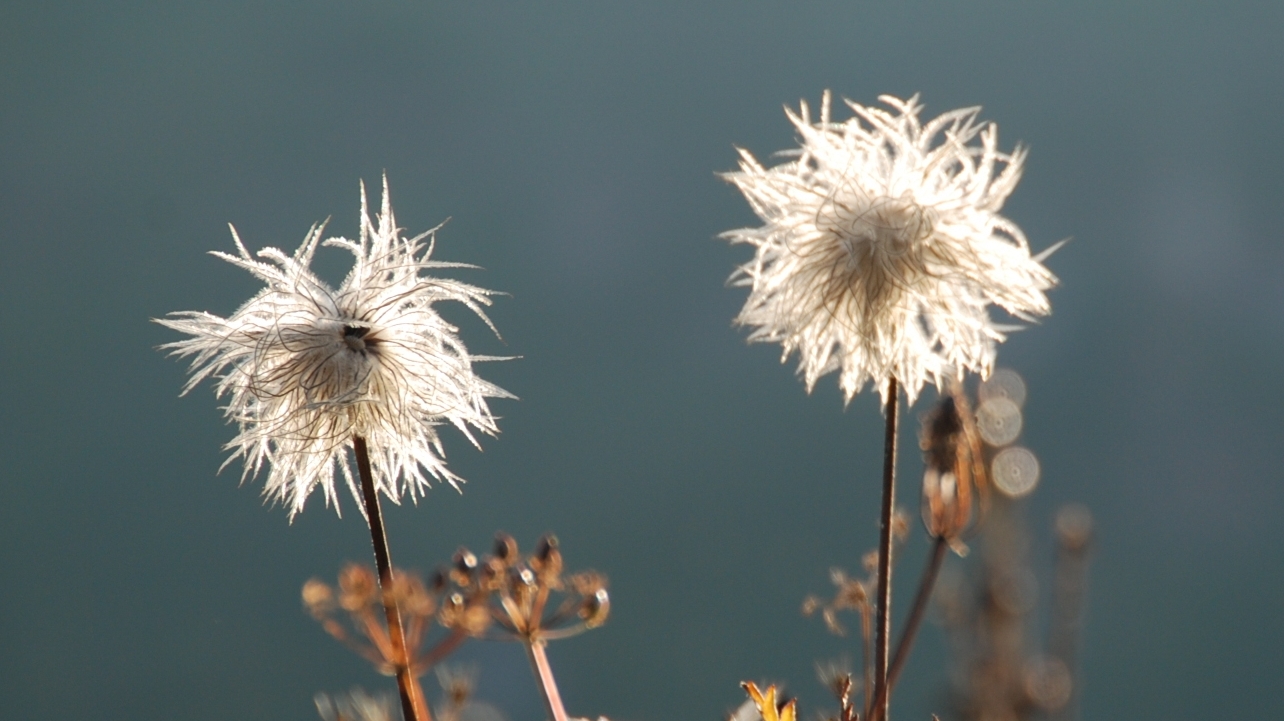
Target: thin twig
[
  {"x": 1069, "y": 595},
  {"x": 547, "y": 684},
  {"x": 919, "y": 610},
  {"x": 443, "y": 649},
  {"x": 867, "y": 651},
  {"x": 413, "y": 705},
  {"x": 883, "y": 627}
]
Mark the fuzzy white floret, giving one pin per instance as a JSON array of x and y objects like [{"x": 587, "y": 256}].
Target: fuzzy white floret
[
  {"x": 305, "y": 367},
  {"x": 882, "y": 247}
]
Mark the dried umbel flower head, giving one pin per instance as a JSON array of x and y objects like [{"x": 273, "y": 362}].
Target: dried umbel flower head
[
  {"x": 366, "y": 632},
  {"x": 319, "y": 598},
  {"x": 882, "y": 247},
  {"x": 458, "y": 681},
  {"x": 852, "y": 594},
  {"x": 307, "y": 368},
  {"x": 529, "y": 598},
  {"x": 503, "y": 596},
  {"x": 459, "y": 702}
]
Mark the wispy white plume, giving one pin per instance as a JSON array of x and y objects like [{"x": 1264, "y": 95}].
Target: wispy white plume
[
  {"x": 882, "y": 247},
  {"x": 305, "y": 367}
]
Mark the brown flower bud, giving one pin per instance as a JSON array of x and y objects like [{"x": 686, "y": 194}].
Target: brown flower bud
[
  {"x": 940, "y": 436},
  {"x": 452, "y": 610},
  {"x": 413, "y": 597},
  {"x": 947, "y": 478},
  {"x": 357, "y": 587},
  {"x": 319, "y": 598},
  {"x": 547, "y": 560},
  {"x": 587, "y": 583},
  {"x": 595, "y": 609},
  {"x": 492, "y": 575},
  {"x": 870, "y": 561},
  {"x": 462, "y": 566},
  {"x": 475, "y": 619},
  {"x": 811, "y": 604},
  {"x": 438, "y": 582},
  {"x": 505, "y": 548}
]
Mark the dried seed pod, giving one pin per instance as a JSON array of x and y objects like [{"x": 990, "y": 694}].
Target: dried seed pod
[
  {"x": 452, "y": 611},
  {"x": 475, "y": 619},
  {"x": 811, "y": 605},
  {"x": 948, "y": 476},
  {"x": 900, "y": 525},
  {"x": 940, "y": 436},
  {"x": 522, "y": 583},
  {"x": 836, "y": 676},
  {"x": 505, "y": 548},
  {"x": 414, "y": 598},
  {"x": 492, "y": 575},
  {"x": 587, "y": 583},
  {"x": 319, "y": 598},
  {"x": 462, "y": 566},
  {"x": 439, "y": 580},
  {"x": 870, "y": 561},
  {"x": 357, "y": 587},
  {"x": 547, "y": 560},
  {"x": 546, "y": 547},
  {"x": 595, "y": 609}
]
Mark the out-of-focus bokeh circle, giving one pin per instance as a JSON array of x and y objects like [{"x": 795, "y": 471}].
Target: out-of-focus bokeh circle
[
  {"x": 1015, "y": 591},
  {"x": 1074, "y": 525},
  {"x": 1048, "y": 682},
  {"x": 999, "y": 420},
  {"x": 1015, "y": 471},
  {"x": 1003, "y": 383}
]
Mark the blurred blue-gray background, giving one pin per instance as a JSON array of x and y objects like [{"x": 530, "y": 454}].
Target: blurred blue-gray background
[{"x": 575, "y": 145}]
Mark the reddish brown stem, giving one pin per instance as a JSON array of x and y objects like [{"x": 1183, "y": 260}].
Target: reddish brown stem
[
  {"x": 883, "y": 624},
  {"x": 867, "y": 652},
  {"x": 443, "y": 649},
  {"x": 547, "y": 684},
  {"x": 413, "y": 705},
  {"x": 912, "y": 624}
]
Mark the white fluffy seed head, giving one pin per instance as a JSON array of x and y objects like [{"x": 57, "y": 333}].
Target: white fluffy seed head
[
  {"x": 882, "y": 247},
  {"x": 306, "y": 368}
]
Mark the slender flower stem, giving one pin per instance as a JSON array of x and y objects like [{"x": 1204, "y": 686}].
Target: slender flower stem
[
  {"x": 443, "y": 649},
  {"x": 883, "y": 625},
  {"x": 917, "y": 612},
  {"x": 867, "y": 653},
  {"x": 1069, "y": 594},
  {"x": 413, "y": 706},
  {"x": 547, "y": 684}
]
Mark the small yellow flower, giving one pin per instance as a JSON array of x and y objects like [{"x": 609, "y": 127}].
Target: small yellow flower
[{"x": 766, "y": 703}]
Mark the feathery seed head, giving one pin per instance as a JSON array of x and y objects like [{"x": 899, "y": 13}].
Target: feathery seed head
[
  {"x": 306, "y": 367},
  {"x": 882, "y": 246}
]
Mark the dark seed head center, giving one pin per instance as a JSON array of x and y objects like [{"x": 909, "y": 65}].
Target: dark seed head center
[{"x": 354, "y": 338}]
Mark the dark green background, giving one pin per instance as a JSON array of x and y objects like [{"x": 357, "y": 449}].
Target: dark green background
[{"x": 574, "y": 145}]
